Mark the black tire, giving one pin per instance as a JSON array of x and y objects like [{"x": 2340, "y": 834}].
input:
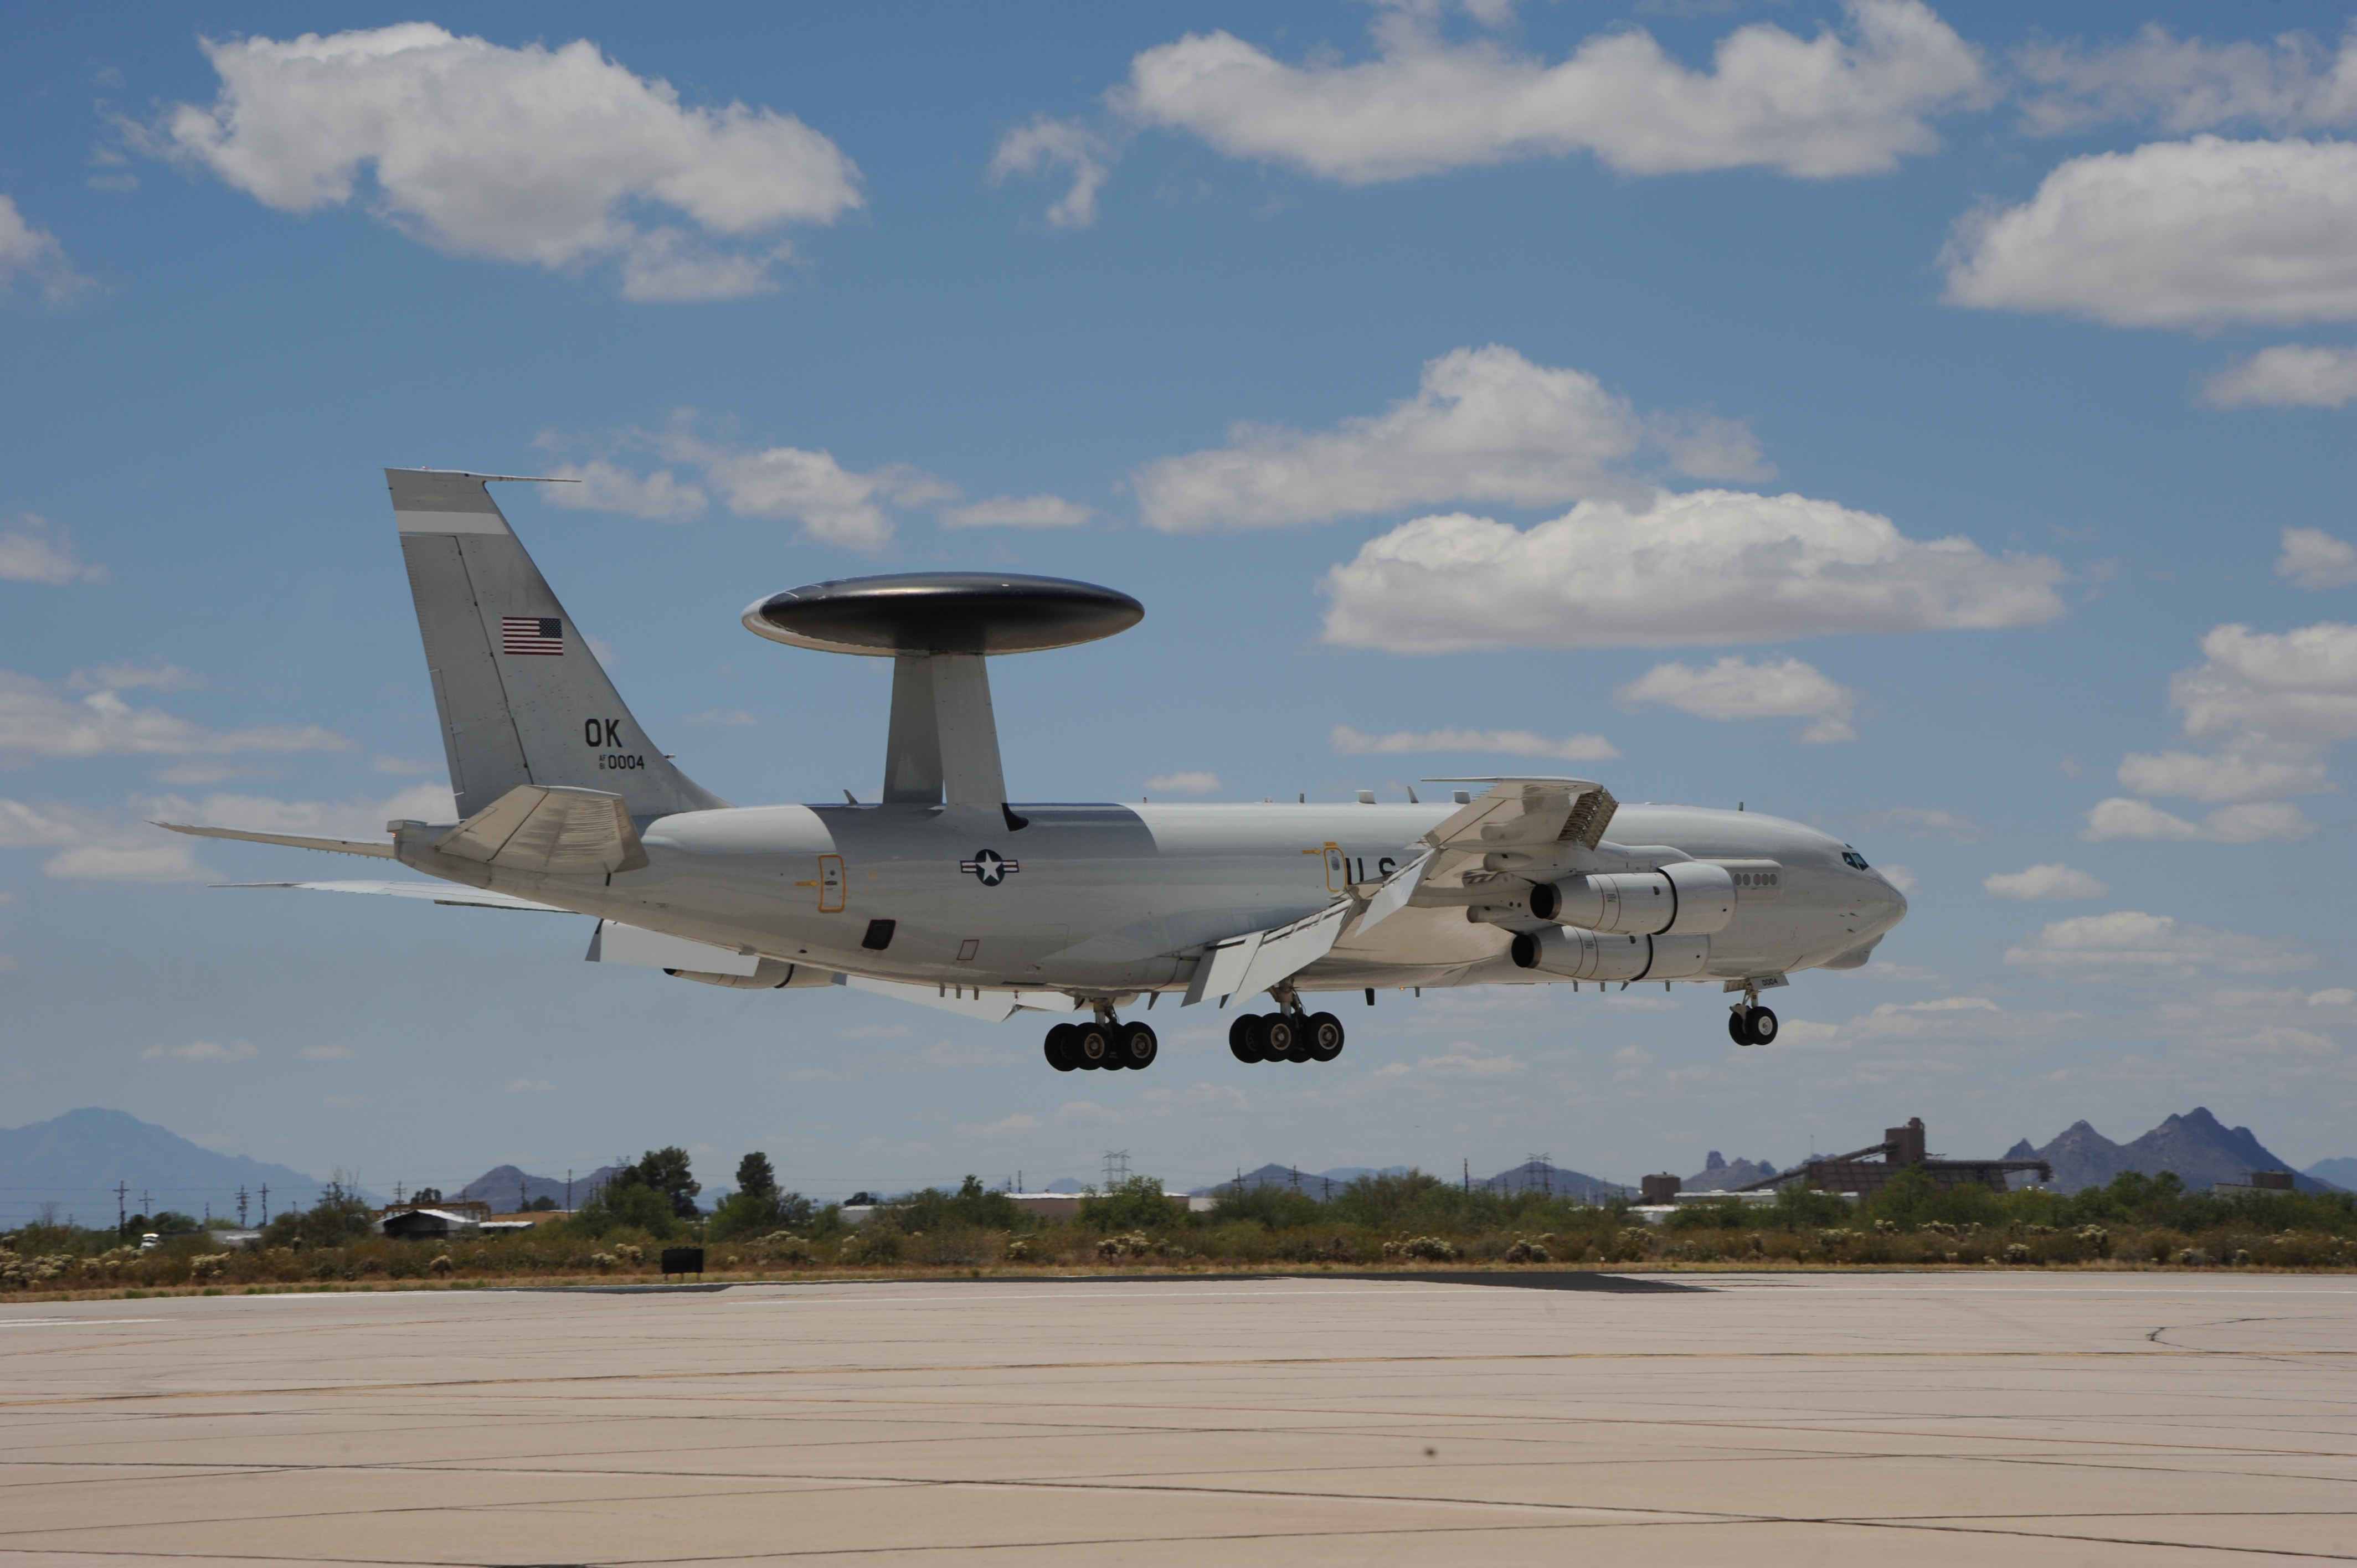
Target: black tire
[
  {"x": 1735, "y": 1029},
  {"x": 1763, "y": 1026},
  {"x": 1091, "y": 1051},
  {"x": 1059, "y": 1047},
  {"x": 1138, "y": 1047},
  {"x": 1244, "y": 1038},
  {"x": 1325, "y": 1036},
  {"x": 1278, "y": 1037}
]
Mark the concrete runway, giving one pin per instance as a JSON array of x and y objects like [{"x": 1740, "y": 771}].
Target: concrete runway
[{"x": 2025, "y": 1419}]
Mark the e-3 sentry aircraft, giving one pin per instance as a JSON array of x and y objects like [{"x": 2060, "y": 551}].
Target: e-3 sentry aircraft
[{"x": 946, "y": 891}]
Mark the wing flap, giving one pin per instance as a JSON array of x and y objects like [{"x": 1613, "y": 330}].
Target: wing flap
[{"x": 1250, "y": 963}]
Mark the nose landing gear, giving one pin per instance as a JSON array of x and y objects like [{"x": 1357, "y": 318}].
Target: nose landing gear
[{"x": 1748, "y": 1024}]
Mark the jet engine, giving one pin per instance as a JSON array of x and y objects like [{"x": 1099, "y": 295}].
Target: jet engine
[
  {"x": 1684, "y": 897},
  {"x": 771, "y": 975},
  {"x": 1577, "y": 954}
]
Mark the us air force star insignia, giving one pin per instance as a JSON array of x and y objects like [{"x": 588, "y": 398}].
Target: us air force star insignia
[{"x": 989, "y": 867}]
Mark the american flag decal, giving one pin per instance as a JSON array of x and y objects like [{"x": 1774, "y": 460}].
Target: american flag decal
[{"x": 532, "y": 634}]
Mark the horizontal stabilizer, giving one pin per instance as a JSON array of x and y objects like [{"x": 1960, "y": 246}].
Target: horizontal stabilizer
[
  {"x": 613, "y": 942},
  {"x": 551, "y": 829},
  {"x": 439, "y": 892},
  {"x": 292, "y": 841}
]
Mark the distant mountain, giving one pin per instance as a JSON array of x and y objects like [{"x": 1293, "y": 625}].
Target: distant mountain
[
  {"x": 1316, "y": 1183},
  {"x": 74, "y": 1161},
  {"x": 1538, "y": 1176},
  {"x": 1725, "y": 1175},
  {"x": 500, "y": 1185},
  {"x": 2200, "y": 1148},
  {"x": 2340, "y": 1174}
]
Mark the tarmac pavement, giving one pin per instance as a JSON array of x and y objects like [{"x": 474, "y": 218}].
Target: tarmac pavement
[{"x": 2022, "y": 1417}]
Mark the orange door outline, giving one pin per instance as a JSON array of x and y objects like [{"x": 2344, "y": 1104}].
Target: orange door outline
[
  {"x": 830, "y": 883},
  {"x": 1337, "y": 869}
]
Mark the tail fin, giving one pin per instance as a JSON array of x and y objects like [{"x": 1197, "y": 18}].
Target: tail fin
[{"x": 522, "y": 697}]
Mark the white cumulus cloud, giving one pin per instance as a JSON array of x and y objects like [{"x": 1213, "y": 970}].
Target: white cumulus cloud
[
  {"x": 2288, "y": 82},
  {"x": 1848, "y": 102},
  {"x": 1017, "y": 511},
  {"x": 35, "y": 549},
  {"x": 1485, "y": 424},
  {"x": 1195, "y": 783},
  {"x": 30, "y": 257},
  {"x": 1050, "y": 144},
  {"x": 207, "y": 1052},
  {"x": 1711, "y": 567},
  {"x": 604, "y": 487},
  {"x": 2126, "y": 943},
  {"x": 835, "y": 505},
  {"x": 1735, "y": 688},
  {"x": 1504, "y": 742},
  {"x": 108, "y": 844},
  {"x": 2294, "y": 686},
  {"x": 2054, "y": 881},
  {"x": 37, "y": 725},
  {"x": 528, "y": 155},
  {"x": 2315, "y": 559},
  {"x": 2290, "y": 375},
  {"x": 2268, "y": 821},
  {"x": 2222, "y": 777},
  {"x": 2186, "y": 234}
]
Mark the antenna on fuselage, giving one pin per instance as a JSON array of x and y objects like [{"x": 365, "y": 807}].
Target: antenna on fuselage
[{"x": 938, "y": 628}]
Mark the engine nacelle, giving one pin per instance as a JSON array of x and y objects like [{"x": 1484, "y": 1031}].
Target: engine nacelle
[
  {"x": 1684, "y": 897},
  {"x": 1577, "y": 954},
  {"x": 768, "y": 976}
]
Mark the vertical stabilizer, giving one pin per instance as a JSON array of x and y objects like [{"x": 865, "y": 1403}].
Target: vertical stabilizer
[{"x": 522, "y": 698}]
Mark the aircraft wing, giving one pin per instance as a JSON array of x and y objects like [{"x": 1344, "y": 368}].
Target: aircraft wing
[
  {"x": 993, "y": 1006},
  {"x": 553, "y": 828},
  {"x": 440, "y": 892},
  {"x": 1527, "y": 814},
  {"x": 1252, "y": 963}
]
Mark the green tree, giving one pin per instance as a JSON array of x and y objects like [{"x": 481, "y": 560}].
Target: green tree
[
  {"x": 665, "y": 1171},
  {"x": 1138, "y": 1204},
  {"x": 624, "y": 1206},
  {"x": 339, "y": 1216},
  {"x": 754, "y": 1177}
]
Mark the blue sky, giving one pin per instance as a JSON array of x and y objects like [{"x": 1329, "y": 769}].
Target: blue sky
[{"x": 1922, "y": 422}]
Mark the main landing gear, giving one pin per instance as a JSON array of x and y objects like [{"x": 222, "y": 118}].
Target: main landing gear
[
  {"x": 1289, "y": 1036},
  {"x": 1748, "y": 1024},
  {"x": 1107, "y": 1045}
]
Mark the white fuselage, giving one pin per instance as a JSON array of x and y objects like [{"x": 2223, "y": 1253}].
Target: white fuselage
[{"x": 1103, "y": 900}]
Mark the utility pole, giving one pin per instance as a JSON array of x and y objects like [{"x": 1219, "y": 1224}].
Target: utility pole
[
  {"x": 1116, "y": 1167},
  {"x": 1296, "y": 1179},
  {"x": 568, "y": 1189},
  {"x": 266, "y": 1203},
  {"x": 241, "y": 1207},
  {"x": 1467, "y": 1162},
  {"x": 122, "y": 1213}
]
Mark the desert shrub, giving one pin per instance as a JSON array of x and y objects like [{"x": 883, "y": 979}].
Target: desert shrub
[
  {"x": 877, "y": 1241},
  {"x": 441, "y": 1265},
  {"x": 1423, "y": 1250},
  {"x": 1138, "y": 1204},
  {"x": 1270, "y": 1208},
  {"x": 1527, "y": 1251},
  {"x": 1136, "y": 1244}
]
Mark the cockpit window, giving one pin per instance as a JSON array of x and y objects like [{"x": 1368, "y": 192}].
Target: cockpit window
[{"x": 1852, "y": 859}]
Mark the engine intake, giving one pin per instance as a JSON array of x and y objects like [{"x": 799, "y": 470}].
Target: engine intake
[
  {"x": 1684, "y": 897},
  {"x": 1578, "y": 954}
]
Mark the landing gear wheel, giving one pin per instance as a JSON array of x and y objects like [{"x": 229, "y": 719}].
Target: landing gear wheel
[
  {"x": 1138, "y": 1047},
  {"x": 1735, "y": 1029},
  {"x": 1245, "y": 1039},
  {"x": 1324, "y": 1037},
  {"x": 1279, "y": 1037},
  {"x": 1090, "y": 1049},
  {"x": 1060, "y": 1047},
  {"x": 1763, "y": 1026}
]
